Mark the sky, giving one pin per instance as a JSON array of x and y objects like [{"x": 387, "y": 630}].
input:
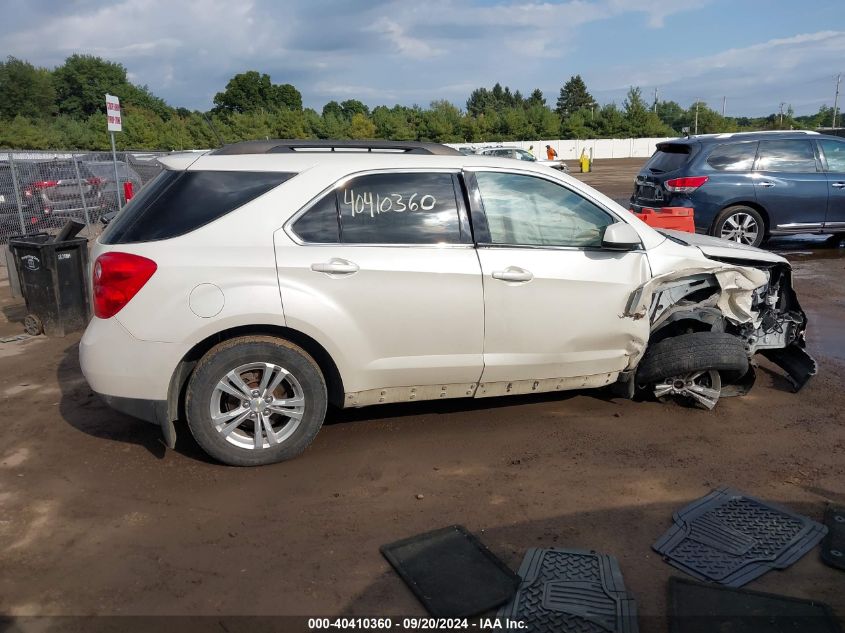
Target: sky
[{"x": 754, "y": 53}]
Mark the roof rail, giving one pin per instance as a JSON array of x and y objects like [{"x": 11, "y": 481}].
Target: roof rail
[
  {"x": 730, "y": 134},
  {"x": 283, "y": 146}
]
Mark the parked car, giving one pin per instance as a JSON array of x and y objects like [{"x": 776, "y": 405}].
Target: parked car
[
  {"x": 518, "y": 153},
  {"x": 104, "y": 170},
  {"x": 10, "y": 218},
  {"x": 51, "y": 190},
  {"x": 747, "y": 187},
  {"x": 246, "y": 289}
]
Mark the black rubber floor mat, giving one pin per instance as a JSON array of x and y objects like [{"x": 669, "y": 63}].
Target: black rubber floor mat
[
  {"x": 698, "y": 608},
  {"x": 451, "y": 572},
  {"x": 571, "y": 590},
  {"x": 833, "y": 545},
  {"x": 731, "y": 538}
]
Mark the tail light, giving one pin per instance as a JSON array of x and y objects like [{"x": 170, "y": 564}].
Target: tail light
[
  {"x": 117, "y": 278},
  {"x": 94, "y": 182},
  {"x": 39, "y": 184},
  {"x": 685, "y": 185}
]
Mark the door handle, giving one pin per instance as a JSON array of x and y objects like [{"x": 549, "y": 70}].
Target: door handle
[
  {"x": 766, "y": 183},
  {"x": 838, "y": 185},
  {"x": 513, "y": 273},
  {"x": 335, "y": 266}
]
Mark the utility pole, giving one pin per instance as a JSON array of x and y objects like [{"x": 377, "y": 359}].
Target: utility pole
[
  {"x": 696, "y": 117},
  {"x": 836, "y": 99},
  {"x": 655, "y": 100},
  {"x": 780, "y": 123},
  {"x": 724, "y": 101}
]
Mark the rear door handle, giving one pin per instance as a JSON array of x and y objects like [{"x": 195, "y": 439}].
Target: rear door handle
[
  {"x": 335, "y": 266},
  {"x": 766, "y": 183},
  {"x": 838, "y": 185},
  {"x": 513, "y": 273}
]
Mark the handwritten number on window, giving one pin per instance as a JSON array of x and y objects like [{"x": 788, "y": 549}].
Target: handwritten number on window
[{"x": 367, "y": 204}]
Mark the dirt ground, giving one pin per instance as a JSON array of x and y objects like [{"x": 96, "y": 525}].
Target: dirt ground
[{"x": 97, "y": 518}]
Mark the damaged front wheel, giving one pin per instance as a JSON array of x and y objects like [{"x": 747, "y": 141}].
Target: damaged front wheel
[
  {"x": 700, "y": 388},
  {"x": 692, "y": 367}
]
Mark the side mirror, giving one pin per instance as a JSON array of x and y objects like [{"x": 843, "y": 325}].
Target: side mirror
[{"x": 621, "y": 236}]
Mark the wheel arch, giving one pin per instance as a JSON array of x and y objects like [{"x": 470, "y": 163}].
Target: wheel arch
[
  {"x": 183, "y": 371},
  {"x": 767, "y": 223}
]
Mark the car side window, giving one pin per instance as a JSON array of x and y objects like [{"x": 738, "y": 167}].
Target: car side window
[
  {"x": 399, "y": 208},
  {"x": 786, "y": 156},
  {"x": 834, "y": 153},
  {"x": 529, "y": 211},
  {"x": 320, "y": 225},
  {"x": 733, "y": 157}
]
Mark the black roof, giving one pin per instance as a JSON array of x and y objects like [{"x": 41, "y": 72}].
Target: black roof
[{"x": 281, "y": 146}]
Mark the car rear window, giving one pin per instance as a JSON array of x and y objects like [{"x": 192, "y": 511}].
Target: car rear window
[
  {"x": 178, "y": 202},
  {"x": 733, "y": 156},
  {"x": 668, "y": 157}
]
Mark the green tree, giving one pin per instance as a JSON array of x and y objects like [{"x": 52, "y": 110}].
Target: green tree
[
  {"x": 360, "y": 127},
  {"x": 672, "y": 114},
  {"x": 640, "y": 120},
  {"x": 573, "y": 96},
  {"x": 252, "y": 91},
  {"x": 25, "y": 89},
  {"x": 479, "y": 101},
  {"x": 442, "y": 122},
  {"x": 82, "y": 82},
  {"x": 351, "y": 107},
  {"x": 536, "y": 99}
]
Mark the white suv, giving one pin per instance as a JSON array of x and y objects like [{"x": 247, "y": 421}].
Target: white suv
[{"x": 247, "y": 288}]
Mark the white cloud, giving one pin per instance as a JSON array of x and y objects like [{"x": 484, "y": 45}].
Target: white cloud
[{"x": 404, "y": 44}]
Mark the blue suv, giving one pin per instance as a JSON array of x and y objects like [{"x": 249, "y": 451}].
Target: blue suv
[{"x": 748, "y": 186}]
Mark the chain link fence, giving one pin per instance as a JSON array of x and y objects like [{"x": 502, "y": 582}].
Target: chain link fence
[{"x": 41, "y": 191}]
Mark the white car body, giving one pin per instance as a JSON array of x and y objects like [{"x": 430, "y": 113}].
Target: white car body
[{"x": 412, "y": 322}]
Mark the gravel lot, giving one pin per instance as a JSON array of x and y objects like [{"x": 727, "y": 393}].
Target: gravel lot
[{"x": 96, "y": 517}]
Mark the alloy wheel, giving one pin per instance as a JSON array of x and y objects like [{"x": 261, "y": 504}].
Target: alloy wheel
[
  {"x": 257, "y": 405},
  {"x": 701, "y": 388},
  {"x": 740, "y": 227}
]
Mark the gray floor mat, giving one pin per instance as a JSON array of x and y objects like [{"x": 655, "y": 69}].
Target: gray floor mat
[
  {"x": 570, "y": 590},
  {"x": 731, "y": 538}
]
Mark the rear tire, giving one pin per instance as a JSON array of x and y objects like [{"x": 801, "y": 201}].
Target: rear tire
[
  {"x": 741, "y": 224},
  {"x": 255, "y": 400},
  {"x": 692, "y": 367}
]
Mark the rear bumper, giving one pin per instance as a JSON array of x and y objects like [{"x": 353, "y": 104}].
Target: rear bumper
[{"x": 117, "y": 365}]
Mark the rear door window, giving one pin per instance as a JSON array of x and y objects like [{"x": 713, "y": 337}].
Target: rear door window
[
  {"x": 392, "y": 208},
  {"x": 178, "y": 202},
  {"x": 668, "y": 157},
  {"x": 733, "y": 157},
  {"x": 399, "y": 208},
  {"x": 796, "y": 156}
]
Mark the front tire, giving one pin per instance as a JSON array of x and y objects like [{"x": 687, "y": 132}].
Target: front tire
[
  {"x": 691, "y": 367},
  {"x": 741, "y": 224},
  {"x": 255, "y": 400}
]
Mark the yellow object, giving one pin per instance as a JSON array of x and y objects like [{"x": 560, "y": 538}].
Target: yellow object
[{"x": 585, "y": 162}]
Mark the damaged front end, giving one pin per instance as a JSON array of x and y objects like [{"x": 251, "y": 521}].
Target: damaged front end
[
  {"x": 752, "y": 300},
  {"x": 778, "y": 333}
]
